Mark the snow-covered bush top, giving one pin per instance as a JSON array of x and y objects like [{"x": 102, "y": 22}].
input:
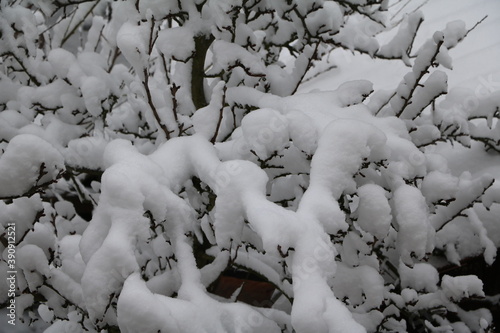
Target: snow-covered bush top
[{"x": 179, "y": 122}]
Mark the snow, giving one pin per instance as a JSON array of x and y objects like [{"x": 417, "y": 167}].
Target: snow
[
  {"x": 362, "y": 285},
  {"x": 206, "y": 119},
  {"x": 98, "y": 25},
  {"x": 358, "y": 35},
  {"x": 272, "y": 223},
  {"x": 374, "y": 211},
  {"x": 265, "y": 132},
  {"x": 28, "y": 162},
  {"x": 63, "y": 326},
  {"x": 71, "y": 260},
  {"x": 86, "y": 152},
  {"x": 343, "y": 148},
  {"x": 415, "y": 232},
  {"x": 45, "y": 313},
  {"x": 94, "y": 90},
  {"x": 160, "y": 312},
  {"x": 177, "y": 43},
  {"x": 435, "y": 85},
  {"x": 231, "y": 188},
  {"x": 66, "y": 286},
  {"x": 227, "y": 56},
  {"x": 458, "y": 287},
  {"x": 107, "y": 246},
  {"x": 22, "y": 210},
  {"x": 302, "y": 131},
  {"x": 420, "y": 277},
  {"x": 474, "y": 59},
  {"x": 131, "y": 39},
  {"x": 468, "y": 187},
  {"x": 42, "y": 235},
  {"x": 490, "y": 250},
  {"x": 34, "y": 264},
  {"x": 239, "y": 189},
  {"x": 454, "y": 32},
  {"x": 44, "y": 95},
  {"x": 61, "y": 61},
  {"x": 438, "y": 185},
  {"x": 353, "y": 92},
  {"x": 314, "y": 310},
  {"x": 400, "y": 45},
  {"x": 328, "y": 18},
  {"x": 364, "y": 189},
  {"x": 110, "y": 264}
]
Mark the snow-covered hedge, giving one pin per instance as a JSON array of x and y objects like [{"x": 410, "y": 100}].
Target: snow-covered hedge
[{"x": 179, "y": 122}]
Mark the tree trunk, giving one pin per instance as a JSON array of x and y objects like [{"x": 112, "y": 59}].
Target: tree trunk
[{"x": 202, "y": 43}]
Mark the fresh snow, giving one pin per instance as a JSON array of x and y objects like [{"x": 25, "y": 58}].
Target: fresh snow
[
  {"x": 28, "y": 162},
  {"x": 359, "y": 171}
]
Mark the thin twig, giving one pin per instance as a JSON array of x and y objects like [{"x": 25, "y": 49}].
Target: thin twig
[
  {"x": 223, "y": 102},
  {"x": 67, "y": 36},
  {"x": 152, "y": 106},
  {"x": 407, "y": 100},
  {"x": 329, "y": 68},
  {"x": 309, "y": 64}
]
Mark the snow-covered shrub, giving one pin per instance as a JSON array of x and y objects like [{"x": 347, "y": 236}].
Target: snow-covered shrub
[{"x": 179, "y": 123}]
